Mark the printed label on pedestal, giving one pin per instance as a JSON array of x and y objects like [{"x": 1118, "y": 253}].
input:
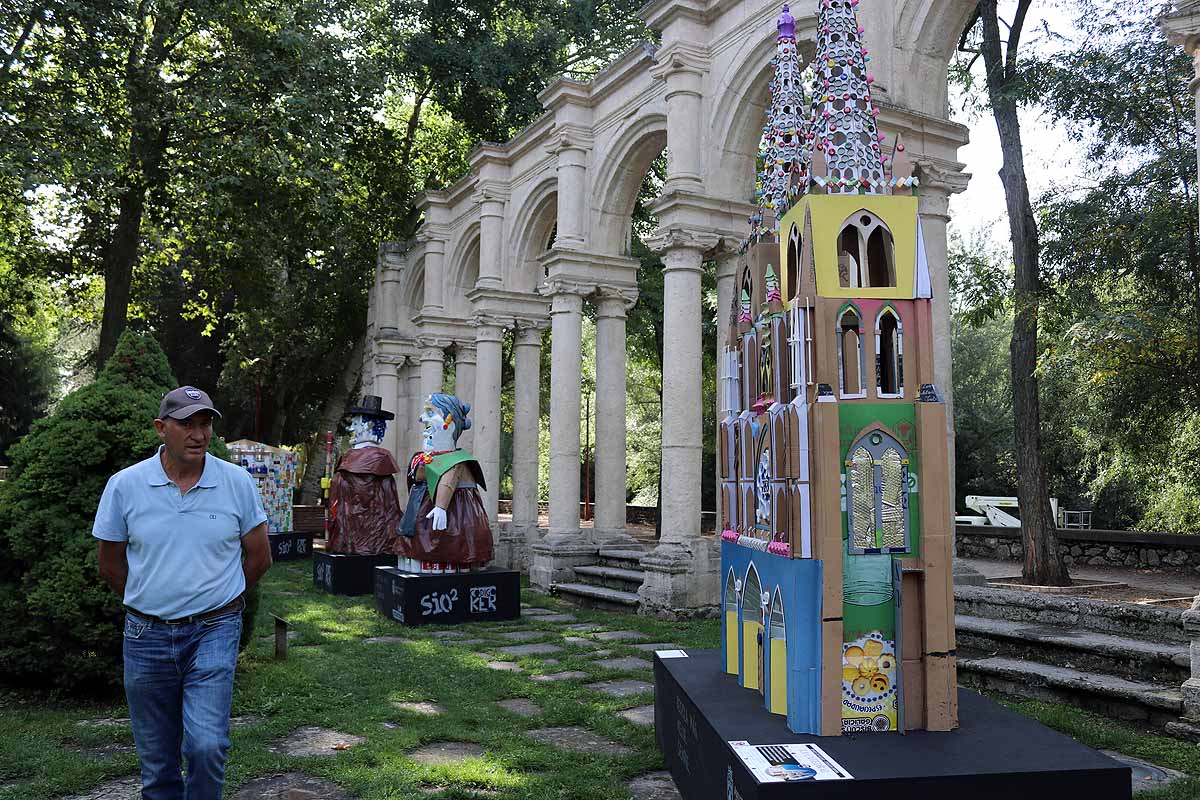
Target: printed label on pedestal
[
  {"x": 436, "y": 603},
  {"x": 483, "y": 599},
  {"x": 869, "y": 684},
  {"x": 785, "y": 763}
]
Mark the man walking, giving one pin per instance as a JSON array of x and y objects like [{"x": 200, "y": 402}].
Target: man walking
[{"x": 173, "y": 530}]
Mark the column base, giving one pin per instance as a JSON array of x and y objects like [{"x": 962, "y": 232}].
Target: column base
[
  {"x": 554, "y": 559},
  {"x": 615, "y": 539},
  {"x": 511, "y": 546},
  {"x": 1191, "y": 699},
  {"x": 682, "y": 580},
  {"x": 966, "y": 575}
]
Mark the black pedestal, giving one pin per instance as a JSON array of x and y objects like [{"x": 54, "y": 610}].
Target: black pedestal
[
  {"x": 423, "y": 598},
  {"x": 290, "y": 546},
  {"x": 338, "y": 573},
  {"x": 994, "y": 755}
]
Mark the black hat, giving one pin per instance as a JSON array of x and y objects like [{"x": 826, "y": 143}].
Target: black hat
[
  {"x": 372, "y": 406},
  {"x": 181, "y": 403}
]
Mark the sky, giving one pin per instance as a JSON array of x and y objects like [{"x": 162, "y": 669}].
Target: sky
[{"x": 1049, "y": 155}]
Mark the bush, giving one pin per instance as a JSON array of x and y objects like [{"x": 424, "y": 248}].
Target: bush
[{"x": 61, "y": 622}]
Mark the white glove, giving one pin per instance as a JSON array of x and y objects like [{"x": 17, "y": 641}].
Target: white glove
[{"x": 438, "y": 515}]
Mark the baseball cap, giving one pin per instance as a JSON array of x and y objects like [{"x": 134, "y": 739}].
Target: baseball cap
[{"x": 181, "y": 403}]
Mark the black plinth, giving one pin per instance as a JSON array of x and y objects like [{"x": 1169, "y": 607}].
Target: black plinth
[
  {"x": 290, "y": 545},
  {"x": 994, "y": 755},
  {"x": 338, "y": 573},
  {"x": 428, "y": 598}
]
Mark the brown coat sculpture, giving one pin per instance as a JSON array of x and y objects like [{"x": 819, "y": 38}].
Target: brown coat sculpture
[{"x": 364, "y": 509}]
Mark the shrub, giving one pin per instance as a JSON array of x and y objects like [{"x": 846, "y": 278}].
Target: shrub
[{"x": 61, "y": 622}]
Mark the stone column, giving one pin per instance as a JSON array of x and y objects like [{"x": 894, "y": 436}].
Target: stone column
[
  {"x": 435, "y": 260},
  {"x": 464, "y": 384},
  {"x": 572, "y": 191},
  {"x": 726, "y": 282},
  {"x": 683, "y": 72},
  {"x": 1182, "y": 27},
  {"x": 489, "y": 344},
  {"x": 611, "y": 485},
  {"x": 680, "y": 573},
  {"x": 491, "y": 244},
  {"x": 564, "y": 547},
  {"x": 391, "y": 276},
  {"x": 527, "y": 348},
  {"x": 433, "y": 363},
  {"x": 401, "y": 424},
  {"x": 387, "y": 386},
  {"x": 416, "y": 402},
  {"x": 937, "y": 184}
]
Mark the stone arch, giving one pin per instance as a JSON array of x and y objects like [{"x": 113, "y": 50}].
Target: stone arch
[
  {"x": 413, "y": 298},
  {"x": 531, "y": 235},
  {"x": 619, "y": 179},
  {"x": 741, "y": 105},
  {"x": 462, "y": 268}
]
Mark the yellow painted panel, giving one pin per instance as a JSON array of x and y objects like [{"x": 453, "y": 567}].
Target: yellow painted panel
[
  {"x": 778, "y": 676},
  {"x": 750, "y": 631},
  {"x": 732, "y": 656},
  {"x": 828, "y": 214}
]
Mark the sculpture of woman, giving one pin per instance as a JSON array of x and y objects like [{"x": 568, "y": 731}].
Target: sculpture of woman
[
  {"x": 364, "y": 509},
  {"x": 445, "y": 521}
]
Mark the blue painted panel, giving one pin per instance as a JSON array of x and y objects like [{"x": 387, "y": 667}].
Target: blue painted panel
[{"x": 799, "y": 582}]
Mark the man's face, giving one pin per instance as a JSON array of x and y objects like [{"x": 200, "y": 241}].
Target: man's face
[{"x": 186, "y": 439}]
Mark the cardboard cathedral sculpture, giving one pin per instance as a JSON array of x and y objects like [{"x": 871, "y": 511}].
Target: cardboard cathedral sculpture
[{"x": 838, "y": 604}]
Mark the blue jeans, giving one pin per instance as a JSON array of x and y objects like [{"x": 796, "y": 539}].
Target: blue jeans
[{"x": 179, "y": 684}]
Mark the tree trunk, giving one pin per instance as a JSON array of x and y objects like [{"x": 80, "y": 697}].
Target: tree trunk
[
  {"x": 118, "y": 268},
  {"x": 335, "y": 407},
  {"x": 1043, "y": 561}
]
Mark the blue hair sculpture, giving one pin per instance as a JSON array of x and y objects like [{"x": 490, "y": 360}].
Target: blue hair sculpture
[{"x": 453, "y": 408}]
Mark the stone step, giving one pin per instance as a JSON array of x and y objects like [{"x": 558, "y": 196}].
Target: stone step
[
  {"x": 627, "y": 580},
  {"x": 599, "y": 597},
  {"x": 1134, "y": 659},
  {"x": 621, "y": 557},
  {"x": 1156, "y": 704}
]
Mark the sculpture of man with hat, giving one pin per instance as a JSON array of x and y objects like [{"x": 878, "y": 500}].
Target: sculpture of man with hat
[{"x": 364, "y": 509}]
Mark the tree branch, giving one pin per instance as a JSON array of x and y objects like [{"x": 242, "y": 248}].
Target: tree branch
[
  {"x": 1014, "y": 39},
  {"x": 35, "y": 17}
]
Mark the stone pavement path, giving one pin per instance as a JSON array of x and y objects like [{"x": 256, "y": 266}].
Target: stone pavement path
[
  {"x": 314, "y": 741},
  {"x": 653, "y": 786},
  {"x": 1168, "y": 584},
  {"x": 436, "y": 753},
  {"x": 291, "y": 786},
  {"x": 579, "y": 740}
]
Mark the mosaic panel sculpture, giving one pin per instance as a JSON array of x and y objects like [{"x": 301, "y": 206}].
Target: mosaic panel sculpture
[{"x": 838, "y": 604}]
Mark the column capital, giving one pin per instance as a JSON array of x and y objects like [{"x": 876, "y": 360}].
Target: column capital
[
  {"x": 665, "y": 240},
  {"x": 432, "y": 348},
  {"x": 556, "y": 285},
  {"x": 491, "y": 199},
  {"x": 612, "y": 302},
  {"x": 569, "y": 138},
  {"x": 529, "y": 333},
  {"x": 433, "y": 242},
  {"x": 490, "y": 327},
  {"x": 389, "y": 365},
  {"x": 464, "y": 352},
  {"x": 680, "y": 58},
  {"x": 1182, "y": 26},
  {"x": 939, "y": 180}
]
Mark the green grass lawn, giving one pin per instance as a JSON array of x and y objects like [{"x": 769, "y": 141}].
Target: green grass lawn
[{"x": 332, "y": 679}]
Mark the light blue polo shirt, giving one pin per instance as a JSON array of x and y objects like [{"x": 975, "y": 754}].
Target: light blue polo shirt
[{"x": 185, "y": 551}]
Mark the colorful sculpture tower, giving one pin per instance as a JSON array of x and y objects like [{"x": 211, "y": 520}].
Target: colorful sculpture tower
[{"x": 838, "y": 600}]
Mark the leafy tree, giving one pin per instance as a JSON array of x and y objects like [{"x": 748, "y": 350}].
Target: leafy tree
[
  {"x": 1043, "y": 562},
  {"x": 62, "y": 623}
]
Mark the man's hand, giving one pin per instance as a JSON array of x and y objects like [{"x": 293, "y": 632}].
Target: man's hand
[
  {"x": 257, "y": 549},
  {"x": 438, "y": 515},
  {"x": 114, "y": 567}
]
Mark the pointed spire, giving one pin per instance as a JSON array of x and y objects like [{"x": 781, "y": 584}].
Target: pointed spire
[
  {"x": 785, "y": 160},
  {"x": 843, "y": 114}
]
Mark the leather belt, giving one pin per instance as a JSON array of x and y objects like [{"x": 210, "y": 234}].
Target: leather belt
[{"x": 236, "y": 604}]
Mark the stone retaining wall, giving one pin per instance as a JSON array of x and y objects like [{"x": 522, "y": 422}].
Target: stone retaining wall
[
  {"x": 1094, "y": 548},
  {"x": 637, "y": 515},
  {"x": 1072, "y": 613}
]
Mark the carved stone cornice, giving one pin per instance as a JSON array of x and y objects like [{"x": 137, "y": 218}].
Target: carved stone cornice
[
  {"x": 464, "y": 351},
  {"x": 680, "y": 58},
  {"x": 432, "y": 348},
  {"x": 664, "y": 240}
]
